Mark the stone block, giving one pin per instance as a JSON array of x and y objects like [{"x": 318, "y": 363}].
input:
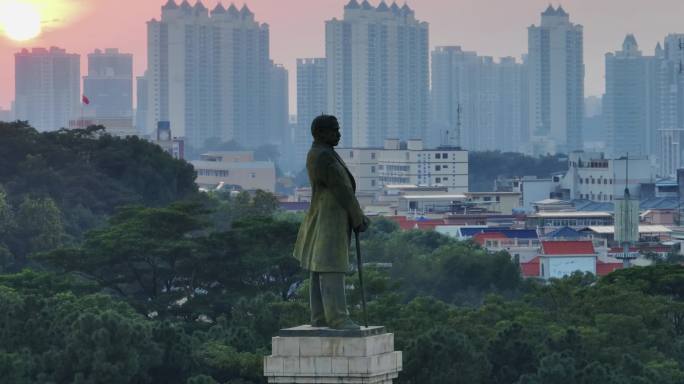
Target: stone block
[
  {"x": 323, "y": 365},
  {"x": 359, "y": 365},
  {"x": 291, "y": 365},
  {"x": 355, "y": 347},
  {"x": 287, "y": 346},
  {"x": 310, "y": 346},
  {"x": 332, "y": 346},
  {"x": 304, "y": 355},
  {"x": 340, "y": 365},
  {"x": 307, "y": 365}
]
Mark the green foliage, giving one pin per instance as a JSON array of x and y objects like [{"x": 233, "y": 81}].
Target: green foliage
[
  {"x": 486, "y": 167},
  {"x": 57, "y": 185}
]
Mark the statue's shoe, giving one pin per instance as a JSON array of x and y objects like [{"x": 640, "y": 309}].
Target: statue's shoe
[
  {"x": 346, "y": 325},
  {"x": 319, "y": 324}
]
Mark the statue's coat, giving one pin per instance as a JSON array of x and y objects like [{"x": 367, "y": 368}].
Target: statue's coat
[{"x": 323, "y": 240}]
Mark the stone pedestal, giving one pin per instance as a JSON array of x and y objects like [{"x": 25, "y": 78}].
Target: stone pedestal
[{"x": 321, "y": 355}]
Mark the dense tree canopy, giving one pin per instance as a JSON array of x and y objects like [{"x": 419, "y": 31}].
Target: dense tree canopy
[
  {"x": 485, "y": 167},
  {"x": 54, "y": 186},
  {"x": 168, "y": 285}
]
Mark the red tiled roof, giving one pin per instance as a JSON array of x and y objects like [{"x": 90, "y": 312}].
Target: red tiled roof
[
  {"x": 481, "y": 237},
  {"x": 407, "y": 224},
  {"x": 568, "y": 248},
  {"x": 531, "y": 268},
  {"x": 603, "y": 269}
]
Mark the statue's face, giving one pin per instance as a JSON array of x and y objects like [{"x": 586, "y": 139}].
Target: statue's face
[{"x": 331, "y": 136}]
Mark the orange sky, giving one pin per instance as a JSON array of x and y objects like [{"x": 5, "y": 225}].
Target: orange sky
[{"x": 491, "y": 27}]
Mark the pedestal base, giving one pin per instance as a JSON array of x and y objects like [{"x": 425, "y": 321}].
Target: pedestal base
[{"x": 321, "y": 355}]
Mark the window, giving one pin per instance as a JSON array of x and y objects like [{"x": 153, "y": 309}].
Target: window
[
  {"x": 445, "y": 155},
  {"x": 487, "y": 198},
  {"x": 351, "y": 154},
  {"x": 438, "y": 168},
  {"x": 581, "y": 180},
  {"x": 372, "y": 183},
  {"x": 372, "y": 155},
  {"x": 372, "y": 169},
  {"x": 605, "y": 181},
  {"x": 438, "y": 180},
  {"x": 437, "y": 156},
  {"x": 445, "y": 179},
  {"x": 445, "y": 166},
  {"x": 252, "y": 175}
]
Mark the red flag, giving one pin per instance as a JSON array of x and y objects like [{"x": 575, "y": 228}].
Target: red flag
[{"x": 85, "y": 100}]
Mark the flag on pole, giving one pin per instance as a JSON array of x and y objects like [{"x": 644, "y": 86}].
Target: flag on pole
[{"x": 85, "y": 100}]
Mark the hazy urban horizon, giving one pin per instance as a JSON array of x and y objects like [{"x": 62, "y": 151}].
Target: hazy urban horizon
[{"x": 494, "y": 28}]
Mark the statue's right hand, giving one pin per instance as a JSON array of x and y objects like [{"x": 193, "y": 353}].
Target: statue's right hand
[{"x": 364, "y": 225}]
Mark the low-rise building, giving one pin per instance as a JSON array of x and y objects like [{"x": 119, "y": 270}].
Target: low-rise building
[
  {"x": 407, "y": 163},
  {"x": 502, "y": 202},
  {"x": 115, "y": 126},
  {"x": 234, "y": 169},
  {"x": 592, "y": 176},
  {"x": 548, "y": 221}
]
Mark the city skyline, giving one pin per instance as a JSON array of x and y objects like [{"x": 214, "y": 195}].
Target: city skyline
[{"x": 495, "y": 28}]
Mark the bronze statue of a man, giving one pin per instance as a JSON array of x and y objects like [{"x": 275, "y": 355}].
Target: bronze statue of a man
[{"x": 323, "y": 241}]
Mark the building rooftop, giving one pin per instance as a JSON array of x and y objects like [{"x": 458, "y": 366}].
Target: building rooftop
[
  {"x": 200, "y": 164},
  {"x": 434, "y": 197},
  {"x": 610, "y": 229},
  {"x": 505, "y": 232},
  {"x": 570, "y": 214},
  {"x": 556, "y": 248}
]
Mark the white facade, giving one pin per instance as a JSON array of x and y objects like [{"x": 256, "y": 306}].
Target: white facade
[
  {"x": 407, "y": 164},
  {"x": 209, "y": 73},
  {"x": 235, "y": 168},
  {"x": 47, "y": 87},
  {"x": 556, "y": 83},
  {"x": 377, "y": 61},
  {"x": 591, "y": 176},
  {"x": 311, "y": 102}
]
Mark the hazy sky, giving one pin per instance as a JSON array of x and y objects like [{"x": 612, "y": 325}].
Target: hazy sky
[{"x": 490, "y": 27}]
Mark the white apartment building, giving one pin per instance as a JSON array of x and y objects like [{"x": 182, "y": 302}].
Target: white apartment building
[
  {"x": 209, "y": 73},
  {"x": 592, "y": 176},
  {"x": 556, "y": 83},
  {"x": 377, "y": 73},
  {"x": 234, "y": 168},
  {"x": 407, "y": 163},
  {"x": 47, "y": 87}
]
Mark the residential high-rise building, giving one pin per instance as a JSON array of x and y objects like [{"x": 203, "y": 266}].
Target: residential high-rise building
[
  {"x": 142, "y": 103},
  {"x": 47, "y": 87},
  {"x": 670, "y": 99},
  {"x": 627, "y": 107},
  {"x": 377, "y": 60},
  {"x": 477, "y": 103},
  {"x": 109, "y": 83},
  {"x": 279, "y": 106},
  {"x": 556, "y": 83},
  {"x": 209, "y": 74},
  {"x": 511, "y": 108},
  {"x": 311, "y": 102}
]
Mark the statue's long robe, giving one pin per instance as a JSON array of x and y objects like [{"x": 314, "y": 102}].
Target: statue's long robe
[{"x": 323, "y": 240}]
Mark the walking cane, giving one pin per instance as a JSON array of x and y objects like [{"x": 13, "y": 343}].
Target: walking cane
[{"x": 360, "y": 266}]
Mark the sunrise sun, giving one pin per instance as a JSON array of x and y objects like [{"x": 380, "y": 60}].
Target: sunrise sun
[{"x": 19, "y": 20}]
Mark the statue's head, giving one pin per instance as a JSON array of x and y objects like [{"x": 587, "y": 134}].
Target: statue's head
[{"x": 326, "y": 129}]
